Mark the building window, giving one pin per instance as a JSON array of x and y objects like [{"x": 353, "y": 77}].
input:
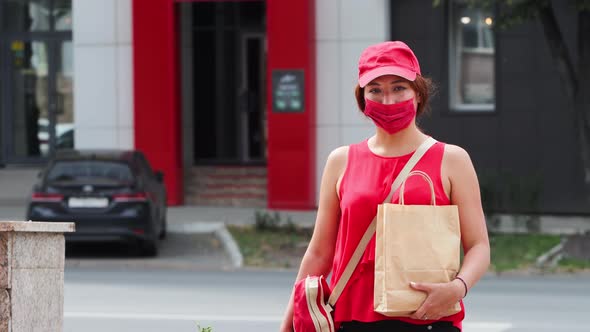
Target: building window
[{"x": 471, "y": 58}]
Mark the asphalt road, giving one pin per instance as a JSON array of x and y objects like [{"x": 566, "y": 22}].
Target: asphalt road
[{"x": 158, "y": 300}]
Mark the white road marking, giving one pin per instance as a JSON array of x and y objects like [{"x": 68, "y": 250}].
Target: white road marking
[
  {"x": 143, "y": 316},
  {"x": 486, "y": 326},
  {"x": 468, "y": 326}
]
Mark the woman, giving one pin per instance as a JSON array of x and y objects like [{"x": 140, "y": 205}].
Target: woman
[{"x": 392, "y": 92}]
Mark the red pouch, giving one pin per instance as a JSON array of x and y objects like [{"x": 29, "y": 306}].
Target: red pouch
[{"x": 311, "y": 311}]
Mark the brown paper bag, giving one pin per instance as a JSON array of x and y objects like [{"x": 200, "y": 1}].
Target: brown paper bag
[{"x": 419, "y": 243}]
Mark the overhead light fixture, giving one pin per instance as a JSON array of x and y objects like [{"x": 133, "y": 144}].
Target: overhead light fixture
[{"x": 465, "y": 19}]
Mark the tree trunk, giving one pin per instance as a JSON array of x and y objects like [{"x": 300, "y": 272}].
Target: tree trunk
[{"x": 559, "y": 53}]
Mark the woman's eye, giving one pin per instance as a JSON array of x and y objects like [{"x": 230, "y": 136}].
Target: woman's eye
[
  {"x": 375, "y": 90},
  {"x": 399, "y": 88}
]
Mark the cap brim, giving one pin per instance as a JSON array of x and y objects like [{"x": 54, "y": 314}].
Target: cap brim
[{"x": 398, "y": 71}]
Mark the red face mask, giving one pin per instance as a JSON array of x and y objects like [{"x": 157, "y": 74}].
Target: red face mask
[{"x": 393, "y": 117}]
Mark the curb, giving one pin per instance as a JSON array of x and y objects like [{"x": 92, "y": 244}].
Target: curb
[
  {"x": 230, "y": 246},
  {"x": 551, "y": 257},
  {"x": 218, "y": 229}
]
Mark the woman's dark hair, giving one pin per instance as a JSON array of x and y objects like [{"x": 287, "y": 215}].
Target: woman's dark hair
[{"x": 423, "y": 86}]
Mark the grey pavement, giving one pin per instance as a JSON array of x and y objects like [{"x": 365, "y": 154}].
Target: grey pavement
[
  {"x": 197, "y": 239},
  {"x": 254, "y": 300}
]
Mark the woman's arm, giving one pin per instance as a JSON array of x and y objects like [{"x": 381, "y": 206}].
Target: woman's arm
[
  {"x": 464, "y": 192},
  {"x": 474, "y": 235},
  {"x": 320, "y": 251}
]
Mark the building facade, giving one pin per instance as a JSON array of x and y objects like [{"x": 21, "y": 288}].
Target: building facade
[{"x": 268, "y": 86}]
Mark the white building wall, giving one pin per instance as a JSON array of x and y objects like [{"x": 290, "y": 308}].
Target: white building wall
[
  {"x": 343, "y": 29},
  {"x": 103, "y": 99}
]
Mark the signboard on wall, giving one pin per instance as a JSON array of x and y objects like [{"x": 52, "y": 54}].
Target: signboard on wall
[{"x": 287, "y": 91}]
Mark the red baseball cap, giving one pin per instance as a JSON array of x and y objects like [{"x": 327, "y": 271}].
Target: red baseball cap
[{"x": 387, "y": 58}]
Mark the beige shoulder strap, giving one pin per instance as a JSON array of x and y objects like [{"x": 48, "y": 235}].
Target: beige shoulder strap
[{"x": 360, "y": 249}]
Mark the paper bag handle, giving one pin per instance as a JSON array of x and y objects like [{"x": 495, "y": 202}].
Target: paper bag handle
[{"x": 425, "y": 177}]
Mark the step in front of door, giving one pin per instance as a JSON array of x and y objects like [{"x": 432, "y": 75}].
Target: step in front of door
[{"x": 226, "y": 186}]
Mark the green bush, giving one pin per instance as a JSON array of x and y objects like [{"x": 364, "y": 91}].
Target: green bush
[
  {"x": 518, "y": 251},
  {"x": 273, "y": 223}
]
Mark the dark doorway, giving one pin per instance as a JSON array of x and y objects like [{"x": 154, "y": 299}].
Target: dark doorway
[{"x": 224, "y": 61}]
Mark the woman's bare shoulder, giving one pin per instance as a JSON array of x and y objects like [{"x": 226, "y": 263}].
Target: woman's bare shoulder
[
  {"x": 456, "y": 155},
  {"x": 337, "y": 160},
  {"x": 339, "y": 154}
]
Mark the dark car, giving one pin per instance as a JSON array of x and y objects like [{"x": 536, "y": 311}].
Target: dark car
[{"x": 110, "y": 195}]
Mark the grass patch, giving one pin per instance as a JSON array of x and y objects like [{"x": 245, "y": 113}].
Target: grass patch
[
  {"x": 271, "y": 247},
  {"x": 283, "y": 247},
  {"x": 572, "y": 264},
  {"x": 519, "y": 251}
]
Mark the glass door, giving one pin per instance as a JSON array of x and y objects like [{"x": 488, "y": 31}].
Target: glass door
[
  {"x": 37, "y": 99},
  {"x": 27, "y": 105},
  {"x": 36, "y": 112}
]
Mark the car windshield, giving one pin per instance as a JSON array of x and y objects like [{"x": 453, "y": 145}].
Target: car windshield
[{"x": 85, "y": 170}]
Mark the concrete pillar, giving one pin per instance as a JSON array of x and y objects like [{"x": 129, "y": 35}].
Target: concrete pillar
[{"x": 32, "y": 275}]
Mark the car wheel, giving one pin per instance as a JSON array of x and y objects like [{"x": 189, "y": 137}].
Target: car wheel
[
  {"x": 163, "y": 229},
  {"x": 149, "y": 248}
]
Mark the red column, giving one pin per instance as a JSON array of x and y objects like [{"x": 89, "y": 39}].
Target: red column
[
  {"x": 155, "y": 93},
  {"x": 291, "y": 136}
]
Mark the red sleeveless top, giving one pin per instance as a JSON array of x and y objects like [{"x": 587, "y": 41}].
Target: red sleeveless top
[{"x": 365, "y": 184}]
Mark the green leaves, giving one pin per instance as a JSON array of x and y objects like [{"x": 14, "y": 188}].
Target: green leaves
[
  {"x": 512, "y": 12},
  {"x": 582, "y": 5},
  {"x": 204, "y": 329}
]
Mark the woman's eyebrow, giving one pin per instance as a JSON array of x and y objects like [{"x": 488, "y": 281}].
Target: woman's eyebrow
[{"x": 393, "y": 82}]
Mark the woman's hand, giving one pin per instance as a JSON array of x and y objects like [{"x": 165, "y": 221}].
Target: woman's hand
[{"x": 440, "y": 297}]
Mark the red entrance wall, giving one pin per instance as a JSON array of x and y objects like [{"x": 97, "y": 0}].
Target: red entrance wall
[
  {"x": 291, "y": 136},
  {"x": 155, "y": 93}
]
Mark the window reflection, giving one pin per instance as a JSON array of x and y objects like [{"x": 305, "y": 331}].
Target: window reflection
[
  {"x": 472, "y": 58},
  {"x": 38, "y": 76},
  {"x": 36, "y": 15},
  {"x": 29, "y": 95},
  {"x": 64, "y": 128},
  {"x": 26, "y": 15},
  {"x": 62, "y": 14}
]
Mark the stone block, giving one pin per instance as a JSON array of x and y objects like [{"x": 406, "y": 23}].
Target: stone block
[
  {"x": 4, "y": 311},
  {"x": 5, "y": 258},
  {"x": 37, "y": 299},
  {"x": 38, "y": 251}
]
